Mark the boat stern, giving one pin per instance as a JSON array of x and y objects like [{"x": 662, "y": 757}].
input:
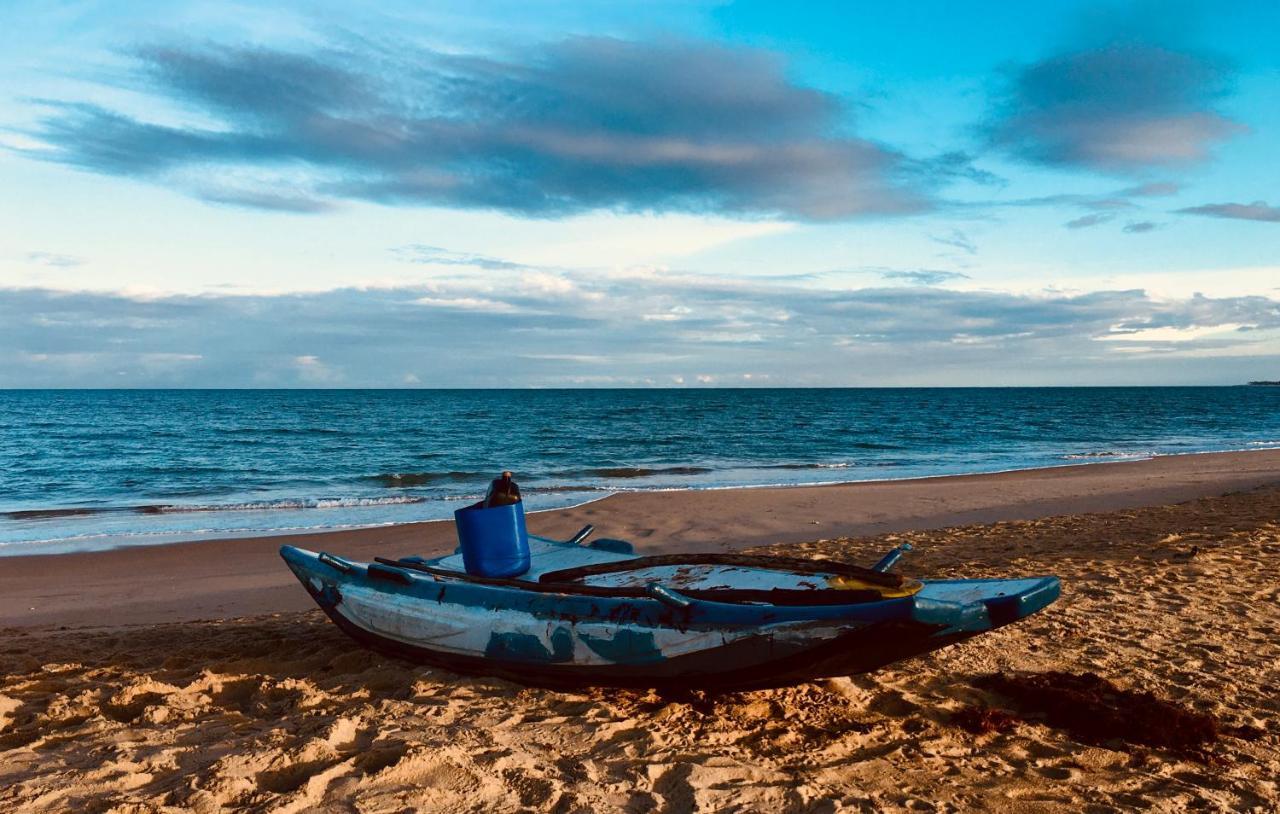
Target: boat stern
[{"x": 979, "y": 605}]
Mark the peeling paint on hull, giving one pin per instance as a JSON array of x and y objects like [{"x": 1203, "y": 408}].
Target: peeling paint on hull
[{"x": 563, "y": 639}]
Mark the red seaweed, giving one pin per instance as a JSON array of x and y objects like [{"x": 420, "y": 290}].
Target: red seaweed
[
  {"x": 1095, "y": 711},
  {"x": 981, "y": 720}
]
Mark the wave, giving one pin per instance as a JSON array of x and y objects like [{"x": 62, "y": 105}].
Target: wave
[
  {"x": 247, "y": 506},
  {"x": 50, "y": 514},
  {"x": 631, "y": 472},
  {"x": 1080, "y": 456},
  {"x": 551, "y": 490},
  {"x": 282, "y": 431},
  {"x": 398, "y": 480},
  {"x": 284, "y": 503},
  {"x": 804, "y": 466}
]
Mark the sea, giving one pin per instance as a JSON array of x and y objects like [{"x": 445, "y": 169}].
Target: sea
[{"x": 95, "y": 469}]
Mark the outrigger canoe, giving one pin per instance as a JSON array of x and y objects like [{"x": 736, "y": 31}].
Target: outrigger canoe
[{"x": 598, "y": 614}]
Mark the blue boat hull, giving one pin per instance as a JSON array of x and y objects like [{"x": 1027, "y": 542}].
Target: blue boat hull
[{"x": 616, "y": 635}]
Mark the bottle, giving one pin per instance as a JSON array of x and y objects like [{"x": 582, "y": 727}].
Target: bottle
[{"x": 503, "y": 491}]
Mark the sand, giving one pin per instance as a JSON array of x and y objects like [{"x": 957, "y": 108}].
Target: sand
[{"x": 279, "y": 712}]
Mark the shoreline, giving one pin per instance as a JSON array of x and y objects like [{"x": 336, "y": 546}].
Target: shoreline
[
  {"x": 231, "y": 577},
  {"x": 8, "y": 550}
]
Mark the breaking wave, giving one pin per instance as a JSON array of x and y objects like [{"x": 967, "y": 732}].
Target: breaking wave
[
  {"x": 805, "y": 466},
  {"x": 248, "y": 506},
  {"x": 285, "y": 503},
  {"x": 1086, "y": 456},
  {"x": 400, "y": 480},
  {"x": 631, "y": 472}
]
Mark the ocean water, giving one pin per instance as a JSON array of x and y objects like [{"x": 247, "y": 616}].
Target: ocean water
[{"x": 83, "y": 470}]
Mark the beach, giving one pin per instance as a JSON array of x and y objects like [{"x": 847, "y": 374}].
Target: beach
[
  {"x": 197, "y": 677},
  {"x": 373, "y": 380}
]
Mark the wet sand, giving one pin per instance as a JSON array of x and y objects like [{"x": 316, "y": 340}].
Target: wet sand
[{"x": 269, "y": 708}]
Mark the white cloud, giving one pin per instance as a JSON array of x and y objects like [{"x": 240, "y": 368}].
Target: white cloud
[
  {"x": 452, "y": 335},
  {"x": 468, "y": 304},
  {"x": 311, "y": 370},
  {"x": 1172, "y": 334},
  {"x": 54, "y": 259}
]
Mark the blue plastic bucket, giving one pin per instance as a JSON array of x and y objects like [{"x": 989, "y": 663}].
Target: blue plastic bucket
[{"x": 494, "y": 540}]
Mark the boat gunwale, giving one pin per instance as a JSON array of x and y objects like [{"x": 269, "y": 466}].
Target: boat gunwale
[
  {"x": 780, "y": 597},
  {"x": 760, "y": 561}
]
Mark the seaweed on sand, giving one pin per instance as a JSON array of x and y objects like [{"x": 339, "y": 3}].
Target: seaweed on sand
[
  {"x": 981, "y": 720},
  {"x": 1095, "y": 711}
]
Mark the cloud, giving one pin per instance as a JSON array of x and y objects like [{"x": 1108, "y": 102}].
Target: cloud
[
  {"x": 1139, "y": 227},
  {"x": 958, "y": 240},
  {"x": 587, "y": 123},
  {"x": 497, "y": 336},
  {"x": 1153, "y": 189},
  {"x": 54, "y": 259},
  {"x": 311, "y": 370},
  {"x": 264, "y": 199},
  {"x": 924, "y": 276},
  {"x": 1258, "y": 210},
  {"x": 1102, "y": 202},
  {"x": 468, "y": 304},
  {"x": 436, "y": 256},
  {"x": 1121, "y": 107},
  {"x": 1085, "y": 221}
]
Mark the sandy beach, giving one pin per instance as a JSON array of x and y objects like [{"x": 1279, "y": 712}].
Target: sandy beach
[
  {"x": 195, "y": 677},
  {"x": 934, "y": 346}
]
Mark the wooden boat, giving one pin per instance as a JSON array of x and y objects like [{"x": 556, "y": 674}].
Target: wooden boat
[{"x": 599, "y": 614}]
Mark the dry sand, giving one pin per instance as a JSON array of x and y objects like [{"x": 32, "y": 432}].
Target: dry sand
[{"x": 279, "y": 712}]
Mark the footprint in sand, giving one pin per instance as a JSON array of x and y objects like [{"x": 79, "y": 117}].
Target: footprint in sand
[
  {"x": 290, "y": 778},
  {"x": 676, "y": 791},
  {"x": 894, "y": 704},
  {"x": 1056, "y": 772},
  {"x": 532, "y": 791},
  {"x": 376, "y": 758}
]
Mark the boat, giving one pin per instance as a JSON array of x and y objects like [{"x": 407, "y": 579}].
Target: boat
[{"x": 599, "y": 614}]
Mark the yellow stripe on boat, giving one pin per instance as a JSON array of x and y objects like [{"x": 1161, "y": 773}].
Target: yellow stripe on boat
[{"x": 907, "y": 588}]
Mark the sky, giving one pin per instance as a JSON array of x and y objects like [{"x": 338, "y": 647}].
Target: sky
[{"x": 656, "y": 194}]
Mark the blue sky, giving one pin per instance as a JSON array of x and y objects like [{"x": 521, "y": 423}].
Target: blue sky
[{"x": 659, "y": 194}]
